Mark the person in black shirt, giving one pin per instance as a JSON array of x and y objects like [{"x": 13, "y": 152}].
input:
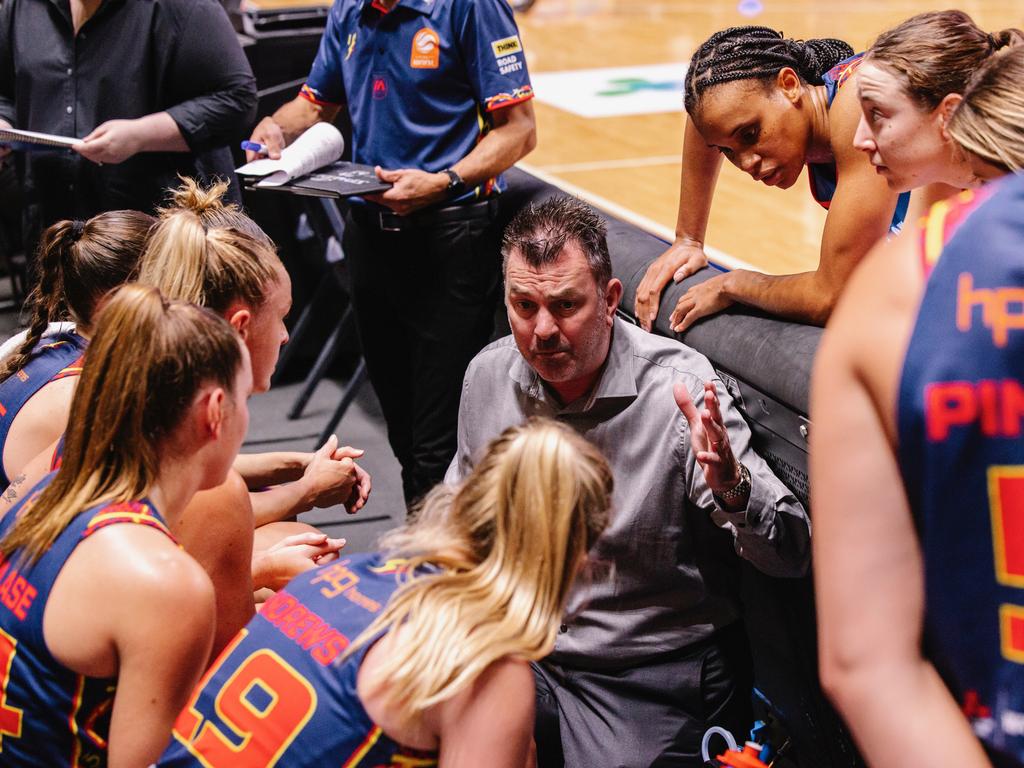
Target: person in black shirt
[{"x": 155, "y": 88}]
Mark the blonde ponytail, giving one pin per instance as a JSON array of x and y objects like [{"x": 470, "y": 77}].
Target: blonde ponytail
[
  {"x": 509, "y": 543},
  {"x": 147, "y": 360},
  {"x": 207, "y": 252}
]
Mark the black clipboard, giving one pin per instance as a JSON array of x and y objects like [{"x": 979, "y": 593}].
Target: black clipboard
[{"x": 339, "y": 179}]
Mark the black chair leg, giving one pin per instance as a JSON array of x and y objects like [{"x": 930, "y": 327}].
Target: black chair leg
[
  {"x": 323, "y": 362},
  {"x": 351, "y": 390}
]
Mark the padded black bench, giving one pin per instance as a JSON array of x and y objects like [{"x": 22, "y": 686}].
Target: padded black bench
[{"x": 766, "y": 365}]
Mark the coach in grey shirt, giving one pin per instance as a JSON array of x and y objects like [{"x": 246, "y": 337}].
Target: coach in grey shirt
[{"x": 652, "y": 653}]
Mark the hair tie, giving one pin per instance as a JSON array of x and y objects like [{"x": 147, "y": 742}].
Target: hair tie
[
  {"x": 992, "y": 42},
  {"x": 77, "y": 228}
]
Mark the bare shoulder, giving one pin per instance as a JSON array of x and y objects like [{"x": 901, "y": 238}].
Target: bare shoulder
[
  {"x": 226, "y": 507},
  {"x": 148, "y": 562},
  {"x": 163, "y": 599},
  {"x": 844, "y": 115}
]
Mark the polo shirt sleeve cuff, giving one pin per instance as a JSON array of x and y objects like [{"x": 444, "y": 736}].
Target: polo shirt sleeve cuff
[
  {"x": 502, "y": 100},
  {"x": 310, "y": 94}
]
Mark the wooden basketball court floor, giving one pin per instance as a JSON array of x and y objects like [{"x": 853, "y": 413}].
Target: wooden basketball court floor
[{"x": 629, "y": 164}]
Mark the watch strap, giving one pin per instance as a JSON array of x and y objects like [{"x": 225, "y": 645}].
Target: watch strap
[
  {"x": 738, "y": 491},
  {"x": 456, "y": 184}
]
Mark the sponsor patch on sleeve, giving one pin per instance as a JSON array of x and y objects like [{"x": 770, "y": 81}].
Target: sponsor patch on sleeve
[{"x": 506, "y": 46}]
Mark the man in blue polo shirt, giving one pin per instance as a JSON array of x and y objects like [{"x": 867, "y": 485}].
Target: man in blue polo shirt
[{"x": 439, "y": 99}]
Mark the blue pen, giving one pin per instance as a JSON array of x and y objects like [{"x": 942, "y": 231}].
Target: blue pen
[{"x": 254, "y": 146}]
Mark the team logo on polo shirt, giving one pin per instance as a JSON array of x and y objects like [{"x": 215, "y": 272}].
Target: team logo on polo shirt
[
  {"x": 380, "y": 87},
  {"x": 426, "y": 50},
  {"x": 506, "y": 46}
]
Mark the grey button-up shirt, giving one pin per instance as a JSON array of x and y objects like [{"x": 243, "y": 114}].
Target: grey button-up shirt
[{"x": 670, "y": 552}]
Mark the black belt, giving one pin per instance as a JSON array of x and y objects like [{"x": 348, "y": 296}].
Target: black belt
[{"x": 389, "y": 221}]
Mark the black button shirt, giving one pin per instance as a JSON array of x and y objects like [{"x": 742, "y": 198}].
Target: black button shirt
[{"x": 130, "y": 59}]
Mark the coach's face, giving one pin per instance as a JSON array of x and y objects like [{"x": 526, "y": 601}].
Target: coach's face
[{"x": 561, "y": 319}]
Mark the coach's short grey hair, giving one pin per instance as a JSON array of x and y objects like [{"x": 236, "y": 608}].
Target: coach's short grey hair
[{"x": 540, "y": 231}]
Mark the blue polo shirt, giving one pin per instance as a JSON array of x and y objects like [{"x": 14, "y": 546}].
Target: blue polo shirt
[{"x": 420, "y": 81}]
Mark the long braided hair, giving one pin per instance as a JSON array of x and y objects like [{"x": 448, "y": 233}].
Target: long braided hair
[
  {"x": 79, "y": 263},
  {"x": 757, "y": 53}
]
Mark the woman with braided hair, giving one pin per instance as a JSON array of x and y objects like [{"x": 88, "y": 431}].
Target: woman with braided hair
[
  {"x": 771, "y": 106},
  {"x": 912, "y": 81},
  {"x": 79, "y": 263}
]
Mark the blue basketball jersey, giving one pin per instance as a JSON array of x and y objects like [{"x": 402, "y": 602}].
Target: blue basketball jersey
[
  {"x": 278, "y": 694},
  {"x": 822, "y": 176},
  {"x": 960, "y": 412},
  {"x": 55, "y": 357},
  {"x": 50, "y": 715}
]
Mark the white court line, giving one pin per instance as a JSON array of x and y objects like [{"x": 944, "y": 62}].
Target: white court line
[
  {"x": 607, "y": 165},
  {"x": 658, "y": 230}
]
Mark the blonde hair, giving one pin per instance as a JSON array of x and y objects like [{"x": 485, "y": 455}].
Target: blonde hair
[
  {"x": 509, "y": 543},
  {"x": 147, "y": 361},
  {"x": 989, "y": 122},
  {"x": 208, "y": 252}
]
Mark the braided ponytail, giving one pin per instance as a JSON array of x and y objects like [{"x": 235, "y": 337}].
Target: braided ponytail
[
  {"x": 79, "y": 263},
  {"x": 757, "y": 53},
  {"x": 45, "y": 302}
]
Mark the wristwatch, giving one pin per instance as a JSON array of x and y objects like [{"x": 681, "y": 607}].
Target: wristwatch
[
  {"x": 456, "y": 186},
  {"x": 738, "y": 491}
]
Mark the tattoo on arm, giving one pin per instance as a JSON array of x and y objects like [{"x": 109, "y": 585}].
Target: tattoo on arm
[{"x": 12, "y": 491}]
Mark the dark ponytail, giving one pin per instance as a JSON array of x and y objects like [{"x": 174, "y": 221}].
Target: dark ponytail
[
  {"x": 757, "y": 53},
  {"x": 79, "y": 262}
]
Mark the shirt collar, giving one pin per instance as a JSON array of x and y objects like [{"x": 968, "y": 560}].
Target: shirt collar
[
  {"x": 426, "y": 7},
  {"x": 64, "y": 6},
  {"x": 617, "y": 379}
]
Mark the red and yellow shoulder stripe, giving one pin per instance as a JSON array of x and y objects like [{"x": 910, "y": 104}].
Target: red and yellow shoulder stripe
[
  {"x": 311, "y": 95},
  {"x": 506, "y": 99},
  {"x": 126, "y": 512},
  {"x": 75, "y": 369},
  {"x": 944, "y": 218},
  {"x": 842, "y": 72}
]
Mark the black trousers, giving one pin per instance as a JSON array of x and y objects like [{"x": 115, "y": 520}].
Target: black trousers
[
  {"x": 424, "y": 297},
  {"x": 651, "y": 715}
]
